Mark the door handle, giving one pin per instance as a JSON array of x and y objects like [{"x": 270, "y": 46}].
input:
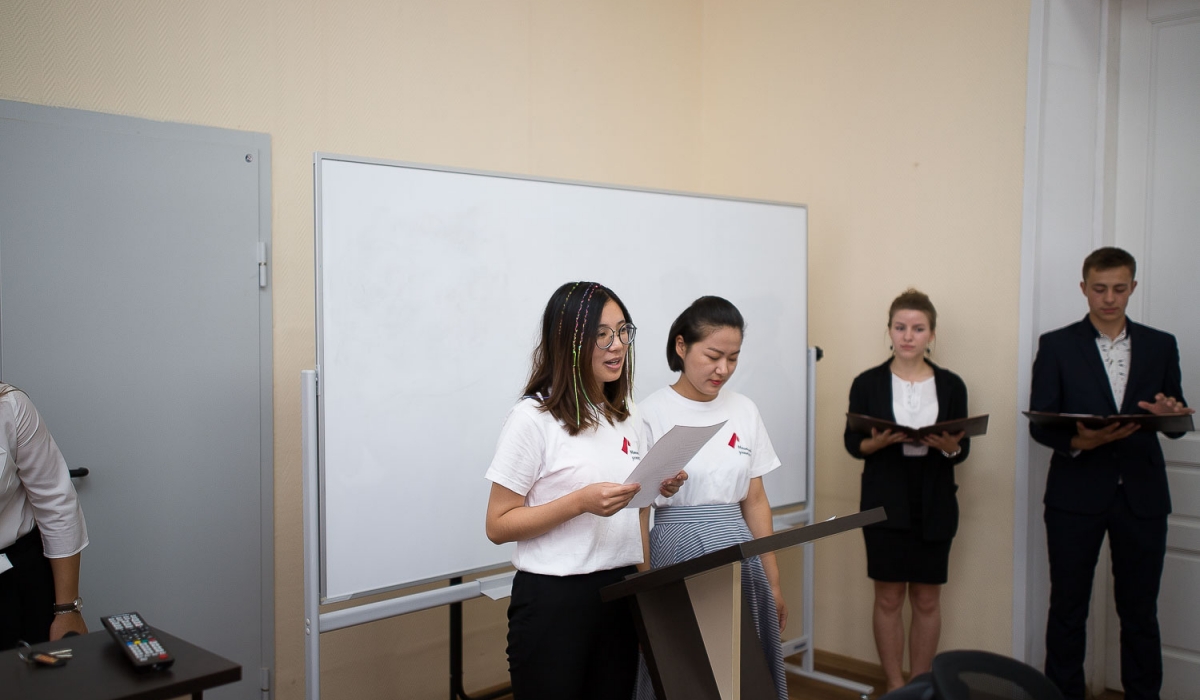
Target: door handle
[{"x": 77, "y": 473}]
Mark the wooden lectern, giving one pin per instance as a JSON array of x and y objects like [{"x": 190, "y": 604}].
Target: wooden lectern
[{"x": 695, "y": 627}]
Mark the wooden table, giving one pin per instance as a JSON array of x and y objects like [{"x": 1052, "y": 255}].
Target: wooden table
[{"x": 100, "y": 671}]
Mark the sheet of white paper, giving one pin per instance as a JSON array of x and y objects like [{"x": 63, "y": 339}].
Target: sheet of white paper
[{"x": 670, "y": 454}]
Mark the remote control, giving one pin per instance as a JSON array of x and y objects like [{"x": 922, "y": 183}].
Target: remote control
[{"x": 141, "y": 647}]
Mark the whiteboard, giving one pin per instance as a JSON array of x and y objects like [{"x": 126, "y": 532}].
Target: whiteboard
[{"x": 430, "y": 289}]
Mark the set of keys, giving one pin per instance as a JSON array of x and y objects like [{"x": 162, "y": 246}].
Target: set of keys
[{"x": 58, "y": 657}]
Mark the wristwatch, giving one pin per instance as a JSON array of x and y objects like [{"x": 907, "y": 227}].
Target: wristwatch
[
  {"x": 951, "y": 455},
  {"x": 67, "y": 608}
]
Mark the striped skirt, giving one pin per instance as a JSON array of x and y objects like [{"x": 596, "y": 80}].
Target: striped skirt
[{"x": 685, "y": 532}]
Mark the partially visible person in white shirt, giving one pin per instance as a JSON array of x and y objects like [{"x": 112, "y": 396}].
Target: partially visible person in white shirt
[{"x": 42, "y": 530}]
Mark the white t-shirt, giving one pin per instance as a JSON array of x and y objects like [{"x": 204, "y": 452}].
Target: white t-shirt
[
  {"x": 721, "y": 471},
  {"x": 35, "y": 487},
  {"x": 537, "y": 458},
  {"x": 915, "y": 405}
]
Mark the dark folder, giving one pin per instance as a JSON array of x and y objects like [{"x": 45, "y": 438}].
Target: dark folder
[
  {"x": 973, "y": 426},
  {"x": 1171, "y": 423}
]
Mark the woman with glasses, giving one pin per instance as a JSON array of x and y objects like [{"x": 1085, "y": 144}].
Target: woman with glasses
[
  {"x": 723, "y": 502},
  {"x": 557, "y": 491},
  {"x": 909, "y": 553}
]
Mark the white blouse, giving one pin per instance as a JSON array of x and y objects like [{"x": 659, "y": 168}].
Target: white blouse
[
  {"x": 35, "y": 487},
  {"x": 916, "y": 406}
]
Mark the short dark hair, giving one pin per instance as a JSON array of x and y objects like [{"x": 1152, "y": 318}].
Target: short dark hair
[
  {"x": 562, "y": 361},
  {"x": 1108, "y": 258},
  {"x": 697, "y": 321},
  {"x": 913, "y": 300}
]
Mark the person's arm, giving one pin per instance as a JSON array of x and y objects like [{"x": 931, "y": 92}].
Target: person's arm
[
  {"x": 861, "y": 445},
  {"x": 66, "y": 590},
  {"x": 1170, "y": 399},
  {"x": 756, "y": 510},
  {"x": 1086, "y": 439},
  {"x": 1045, "y": 394},
  {"x": 510, "y": 520},
  {"x": 956, "y": 447}
]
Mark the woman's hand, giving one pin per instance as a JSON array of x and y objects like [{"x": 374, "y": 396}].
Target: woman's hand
[
  {"x": 780, "y": 606},
  {"x": 671, "y": 486},
  {"x": 510, "y": 520},
  {"x": 879, "y": 440},
  {"x": 945, "y": 442},
  {"x": 605, "y": 499}
]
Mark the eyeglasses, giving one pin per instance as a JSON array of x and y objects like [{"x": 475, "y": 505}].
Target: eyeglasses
[{"x": 604, "y": 336}]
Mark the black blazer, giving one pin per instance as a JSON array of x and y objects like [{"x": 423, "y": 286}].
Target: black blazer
[
  {"x": 1069, "y": 377},
  {"x": 885, "y": 473}
]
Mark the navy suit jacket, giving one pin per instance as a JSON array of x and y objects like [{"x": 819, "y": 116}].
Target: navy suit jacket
[{"x": 1069, "y": 377}]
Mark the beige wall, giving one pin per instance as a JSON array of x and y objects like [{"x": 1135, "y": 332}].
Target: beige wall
[{"x": 900, "y": 124}]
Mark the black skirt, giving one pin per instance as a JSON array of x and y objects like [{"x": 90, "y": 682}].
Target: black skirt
[{"x": 904, "y": 556}]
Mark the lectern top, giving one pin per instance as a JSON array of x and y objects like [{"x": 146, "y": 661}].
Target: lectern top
[{"x": 654, "y": 578}]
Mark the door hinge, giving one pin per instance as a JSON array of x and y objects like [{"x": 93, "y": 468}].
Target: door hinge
[
  {"x": 264, "y": 679},
  {"x": 262, "y": 264}
]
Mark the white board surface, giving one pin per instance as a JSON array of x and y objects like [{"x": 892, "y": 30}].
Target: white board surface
[{"x": 430, "y": 289}]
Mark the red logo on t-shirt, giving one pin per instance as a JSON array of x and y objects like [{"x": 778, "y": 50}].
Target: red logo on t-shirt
[
  {"x": 625, "y": 445},
  {"x": 733, "y": 441}
]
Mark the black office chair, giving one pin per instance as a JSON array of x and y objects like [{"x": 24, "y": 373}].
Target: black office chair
[{"x": 977, "y": 675}]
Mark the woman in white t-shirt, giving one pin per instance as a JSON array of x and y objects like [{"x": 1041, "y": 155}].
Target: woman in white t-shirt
[
  {"x": 723, "y": 503},
  {"x": 557, "y": 492}
]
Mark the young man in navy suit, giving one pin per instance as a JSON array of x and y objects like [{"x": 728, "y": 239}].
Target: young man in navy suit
[{"x": 1112, "y": 480}]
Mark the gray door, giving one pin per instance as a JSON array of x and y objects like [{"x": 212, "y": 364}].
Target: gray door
[{"x": 132, "y": 314}]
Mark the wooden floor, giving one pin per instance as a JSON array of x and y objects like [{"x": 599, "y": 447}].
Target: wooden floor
[{"x": 851, "y": 669}]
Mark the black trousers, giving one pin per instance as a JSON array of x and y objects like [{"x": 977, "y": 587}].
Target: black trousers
[
  {"x": 564, "y": 644},
  {"x": 26, "y": 593},
  {"x": 1138, "y": 547}
]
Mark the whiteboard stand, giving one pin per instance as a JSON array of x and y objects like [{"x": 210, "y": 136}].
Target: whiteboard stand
[
  {"x": 457, "y": 692},
  {"x": 316, "y": 622},
  {"x": 806, "y": 516},
  {"x": 312, "y": 534}
]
